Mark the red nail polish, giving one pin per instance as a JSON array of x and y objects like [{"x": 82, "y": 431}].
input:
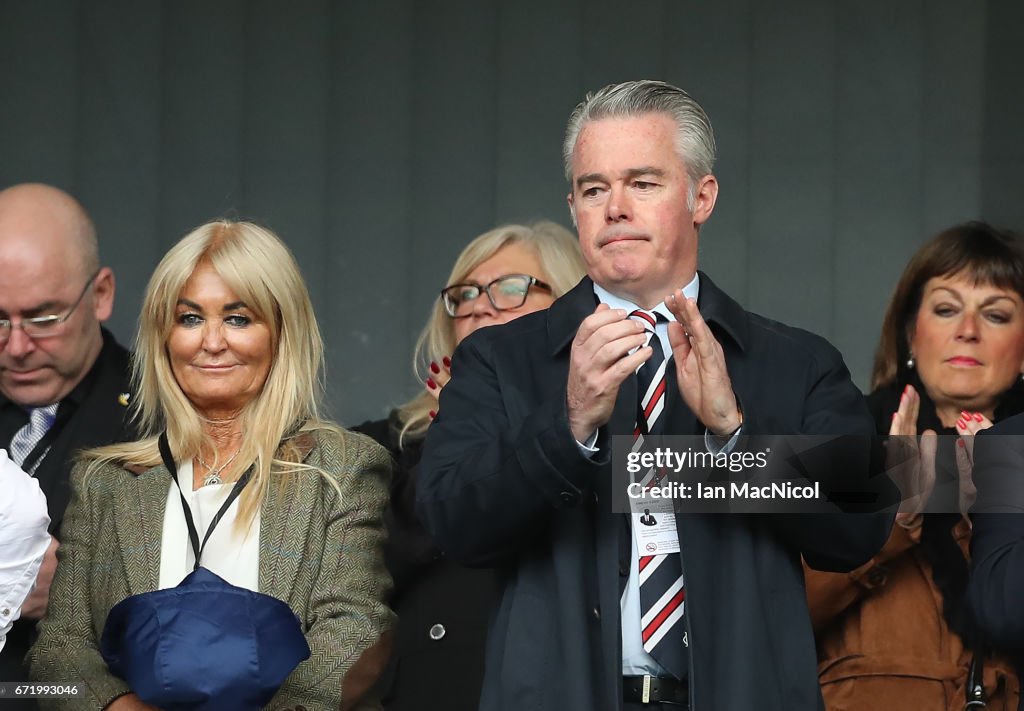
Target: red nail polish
[
  {"x": 431, "y": 384},
  {"x": 965, "y": 414},
  {"x": 432, "y": 414},
  {"x": 435, "y": 368},
  {"x": 961, "y": 424},
  {"x": 447, "y": 362},
  {"x": 978, "y": 417}
]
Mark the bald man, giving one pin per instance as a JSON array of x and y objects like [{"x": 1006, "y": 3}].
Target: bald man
[{"x": 63, "y": 377}]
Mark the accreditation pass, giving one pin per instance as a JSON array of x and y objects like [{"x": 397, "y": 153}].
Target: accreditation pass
[{"x": 654, "y": 526}]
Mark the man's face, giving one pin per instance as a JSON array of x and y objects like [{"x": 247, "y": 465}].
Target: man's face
[
  {"x": 629, "y": 200},
  {"x": 34, "y": 282}
]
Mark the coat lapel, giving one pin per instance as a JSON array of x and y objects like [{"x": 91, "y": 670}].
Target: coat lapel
[
  {"x": 282, "y": 540},
  {"x": 565, "y": 315},
  {"x": 139, "y": 508}
]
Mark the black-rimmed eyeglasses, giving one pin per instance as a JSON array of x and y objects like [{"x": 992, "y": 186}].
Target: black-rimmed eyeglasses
[
  {"x": 505, "y": 293},
  {"x": 43, "y": 326}
]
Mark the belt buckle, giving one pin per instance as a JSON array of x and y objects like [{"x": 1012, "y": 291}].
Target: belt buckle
[{"x": 646, "y": 693}]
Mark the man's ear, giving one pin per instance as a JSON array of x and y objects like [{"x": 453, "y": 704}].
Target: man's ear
[
  {"x": 572, "y": 208},
  {"x": 704, "y": 199},
  {"x": 103, "y": 294}
]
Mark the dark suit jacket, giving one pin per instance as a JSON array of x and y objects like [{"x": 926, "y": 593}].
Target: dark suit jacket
[
  {"x": 96, "y": 417},
  {"x": 321, "y": 552},
  {"x": 503, "y": 482},
  {"x": 996, "y": 586}
]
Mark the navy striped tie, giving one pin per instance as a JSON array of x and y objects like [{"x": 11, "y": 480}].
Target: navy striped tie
[{"x": 661, "y": 576}]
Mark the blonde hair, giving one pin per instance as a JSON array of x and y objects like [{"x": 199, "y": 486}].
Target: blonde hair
[
  {"x": 260, "y": 269},
  {"x": 558, "y": 251}
]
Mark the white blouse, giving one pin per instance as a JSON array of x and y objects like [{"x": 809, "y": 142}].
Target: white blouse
[{"x": 233, "y": 555}]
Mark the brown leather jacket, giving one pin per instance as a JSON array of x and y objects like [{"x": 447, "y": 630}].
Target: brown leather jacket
[{"x": 883, "y": 642}]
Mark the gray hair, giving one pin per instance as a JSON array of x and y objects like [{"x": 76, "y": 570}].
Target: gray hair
[{"x": 695, "y": 139}]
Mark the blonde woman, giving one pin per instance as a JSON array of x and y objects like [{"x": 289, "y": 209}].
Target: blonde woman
[
  {"x": 501, "y": 275},
  {"x": 226, "y": 368}
]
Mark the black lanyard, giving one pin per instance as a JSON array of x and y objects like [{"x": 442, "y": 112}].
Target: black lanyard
[{"x": 193, "y": 534}]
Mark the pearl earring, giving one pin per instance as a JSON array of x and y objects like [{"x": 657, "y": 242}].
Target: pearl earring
[{"x": 910, "y": 363}]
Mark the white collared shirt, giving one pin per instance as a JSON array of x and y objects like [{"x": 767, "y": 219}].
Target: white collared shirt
[
  {"x": 233, "y": 555},
  {"x": 23, "y": 539}
]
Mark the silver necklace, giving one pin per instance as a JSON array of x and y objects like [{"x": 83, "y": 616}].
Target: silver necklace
[{"x": 213, "y": 475}]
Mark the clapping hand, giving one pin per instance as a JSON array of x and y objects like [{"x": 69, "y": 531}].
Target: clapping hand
[
  {"x": 608, "y": 348},
  {"x": 969, "y": 424},
  {"x": 911, "y": 462},
  {"x": 701, "y": 372},
  {"x": 440, "y": 374}
]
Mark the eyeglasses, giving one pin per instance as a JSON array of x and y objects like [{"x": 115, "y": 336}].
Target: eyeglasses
[
  {"x": 505, "y": 293},
  {"x": 43, "y": 326}
]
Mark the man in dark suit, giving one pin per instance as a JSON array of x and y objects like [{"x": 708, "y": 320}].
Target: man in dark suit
[
  {"x": 63, "y": 378},
  {"x": 516, "y": 471}
]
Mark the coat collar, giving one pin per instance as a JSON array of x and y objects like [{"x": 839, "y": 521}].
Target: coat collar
[{"x": 723, "y": 314}]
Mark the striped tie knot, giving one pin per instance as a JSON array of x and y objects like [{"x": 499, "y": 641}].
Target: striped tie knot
[
  {"x": 40, "y": 420},
  {"x": 649, "y": 318},
  {"x": 650, "y": 375}
]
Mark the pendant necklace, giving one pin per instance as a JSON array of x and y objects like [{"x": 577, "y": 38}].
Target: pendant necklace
[{"x": 213, "y": 475}]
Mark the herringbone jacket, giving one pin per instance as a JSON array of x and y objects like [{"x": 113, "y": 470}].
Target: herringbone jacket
[{"x": 319, "y": 553}]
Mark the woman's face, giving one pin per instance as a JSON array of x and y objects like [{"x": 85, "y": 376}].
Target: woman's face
[
  {"x": 220, "y": 352},
  {"x": 968, "y": 341},
  {"x": 515, "y": 258}
]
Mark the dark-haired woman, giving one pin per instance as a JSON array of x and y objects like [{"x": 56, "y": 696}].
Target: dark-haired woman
[{"x": 895, "y": 633}]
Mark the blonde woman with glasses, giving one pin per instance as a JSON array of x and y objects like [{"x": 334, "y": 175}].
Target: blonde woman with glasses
[{"x": 501, "y": 275}]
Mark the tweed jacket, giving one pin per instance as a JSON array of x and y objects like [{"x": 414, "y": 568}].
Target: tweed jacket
[{"x": 321, "y": 554}]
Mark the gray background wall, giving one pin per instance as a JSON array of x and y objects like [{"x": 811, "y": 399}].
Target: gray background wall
[{"x": 379, "y": 137}]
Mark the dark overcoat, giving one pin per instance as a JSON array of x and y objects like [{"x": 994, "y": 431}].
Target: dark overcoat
[{"x": 504, "y": 483}]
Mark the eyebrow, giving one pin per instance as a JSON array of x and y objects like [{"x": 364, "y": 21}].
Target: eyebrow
[
  {"x": 990, "y": 300},
  {"x": 47, "y": 308},
  {"x": 630, "y": 173},
  {"x": 234, "y": 305},
  {"x": 998, "y": 297}
]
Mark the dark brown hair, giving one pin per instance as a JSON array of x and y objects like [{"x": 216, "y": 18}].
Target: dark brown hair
[{"x": 977, "y": 250}]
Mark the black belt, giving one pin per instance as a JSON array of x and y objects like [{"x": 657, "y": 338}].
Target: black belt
[{"x": 655, "y": 689}]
